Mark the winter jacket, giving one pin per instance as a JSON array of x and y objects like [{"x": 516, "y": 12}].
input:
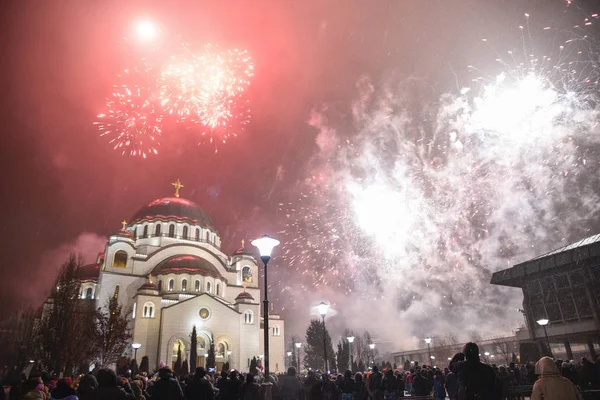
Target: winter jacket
[
  {"x": 550, "y": 385},
  {"x": 199, "y": 389},
  {"x": 290, "y": 388},
  {"x": 451, "y": 385},
  {"x": 112, "y": 393},
  {"x": 34, "y": 395},
  {"x": 438, "y": 389},
  {"x": 249, "y": 391},
  {"x": 476, "y": 381}
]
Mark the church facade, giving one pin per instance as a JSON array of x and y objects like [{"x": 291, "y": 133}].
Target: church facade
[{"x": 168, "y": 270}]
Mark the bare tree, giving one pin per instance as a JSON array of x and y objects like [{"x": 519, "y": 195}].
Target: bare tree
[
  {"x": 504, "y": 348},
  {"x": 112, "y": 333},
  {"x": 66, "y": 330}
]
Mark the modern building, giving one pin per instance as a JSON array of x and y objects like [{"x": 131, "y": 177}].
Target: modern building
[
  {"x": 563, "y": 287},
  {"x": 168, "y": 270}
]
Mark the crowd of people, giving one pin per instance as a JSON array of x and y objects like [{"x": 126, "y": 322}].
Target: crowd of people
[{"x": 465, "y": 378}]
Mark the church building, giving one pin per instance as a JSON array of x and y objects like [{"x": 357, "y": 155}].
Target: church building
[{"x": 168, "y": 270}]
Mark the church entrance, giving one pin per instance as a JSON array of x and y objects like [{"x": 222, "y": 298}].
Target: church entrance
[
  {"x": 201, "y": 361},
  {"x": 220, "y": 366}
]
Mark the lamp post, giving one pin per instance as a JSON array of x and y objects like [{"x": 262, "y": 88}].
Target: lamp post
[
  {"x": 298, "y": 345},
  {"x": 543, "y": 323},
  {"x": 428, "y": 341},
  {"x": 135, "y": 347},
  {"x": 350, "y": 341},
  {"x": 265, "y": 246},
  {"x": 289, "y": 356},
  {"x": 323, "y": 307},
  {"x": 372, "y": 347}
]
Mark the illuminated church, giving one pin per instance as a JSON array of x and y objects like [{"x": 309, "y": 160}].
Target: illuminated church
[{"x": 169, "y": 272}]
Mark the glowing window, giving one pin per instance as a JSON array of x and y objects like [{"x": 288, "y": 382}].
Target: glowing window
[
  {"x": 89, "y": 293},
  {"x": 184, "y": 285},
  {"x": 247, "y": 274},
  {"x": 148, "y": 311},
  {"x": 171, "y": 285},
  {"x": 120, "y": 259},
  {"x": 248, "y": 317},
  {"x": 197, "y": 286},
  {"x": 276, "y": 330}
]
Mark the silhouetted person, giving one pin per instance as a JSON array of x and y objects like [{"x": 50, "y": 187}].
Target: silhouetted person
[
  {"x": 290, "y": 387},
  {"x": 166, "y": 387},
  {"x": 476, "y": 380},
  {"x": 199, "y": 388}
]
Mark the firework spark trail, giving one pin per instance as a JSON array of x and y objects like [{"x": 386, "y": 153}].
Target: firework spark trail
[
  {"x": 208, "y": 89},
  {"x": 132, "y": 121},
  {"x": 205, "y": 90},
  {"x": 425, "y": 204}
]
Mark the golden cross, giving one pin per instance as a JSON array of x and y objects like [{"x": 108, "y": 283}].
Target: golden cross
[
  {"x": 177, "y": 184},
  {"x": 124, "y": 224}
]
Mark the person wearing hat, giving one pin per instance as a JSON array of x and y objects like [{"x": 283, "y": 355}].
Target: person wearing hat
[
  {"x": 166, "y": 387},
  {"x": 551, "y": 385}
]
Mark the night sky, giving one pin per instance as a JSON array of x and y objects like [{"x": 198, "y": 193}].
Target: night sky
[{"x": 61, "y": 180}]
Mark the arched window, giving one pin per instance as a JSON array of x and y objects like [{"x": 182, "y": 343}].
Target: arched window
[
  {"x": 171, "y": 285},
  {"x": 120, "y": 259},
  {"x": 185, "y": 232},
  {"x": 220, "y": 350},
  {"x": 218, "y": 289},
  {"x": 248, "y": 317},
  {"x": 145, "y": 235},
  {"x": 207, "y": 236},
  {"x": 208, "y": 287},
  {"x": 148, "y": 310},
  {"x": 197, "y": 234},
  {"x": 201, "y": 344},
  {"x": 134, "y": 310},
  {"x": 197, "y": 286},
  {"x": 171, "y": 230},
  {"x": 159, "y": 286},
  {"x": 247, "y": 274},
  {"x": 184, "y": 285},
  {"x": 157, "y": 230},
  {"x": 89, "y": 293},
  {"x": 276, "y": 330}
]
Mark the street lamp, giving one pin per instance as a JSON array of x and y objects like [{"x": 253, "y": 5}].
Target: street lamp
[
  {"x": 265, "y": 246},
  {"x": 323, "y": 307},
  {"x": 543, "y": 323},
  {"x": 372, "y": 347},
  {"x": 298, "y": 345},
  {"x": 487, "y": 355},
  {"x": 135, "y": 347},
  {"x": 350, "y": 341},
  {"x": 428, "y": 341},
  {"x": 289, "y": 356}
]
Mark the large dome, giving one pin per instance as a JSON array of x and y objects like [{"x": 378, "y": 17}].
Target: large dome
[{"x": 177, "y": 208}]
